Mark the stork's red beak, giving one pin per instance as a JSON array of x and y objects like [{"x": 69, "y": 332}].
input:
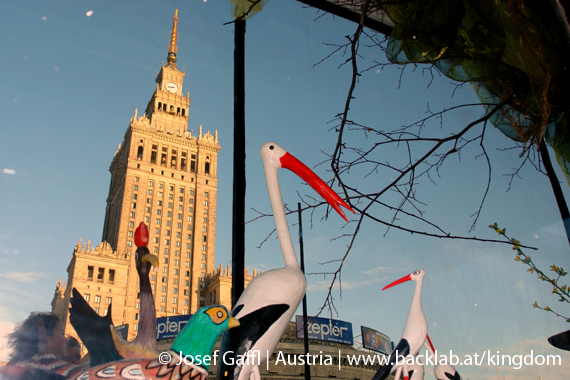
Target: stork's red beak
[
  {"x": 297, "y": 167},
  {"x": 430, "y": 344},
  {"x": 403, "y": 279}
]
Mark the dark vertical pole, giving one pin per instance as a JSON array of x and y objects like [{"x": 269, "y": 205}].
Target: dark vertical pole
[
  {"x": 556, "y": 188},
  {"x": 238, "y": 221},
  {"x": 305, "y": 330}
]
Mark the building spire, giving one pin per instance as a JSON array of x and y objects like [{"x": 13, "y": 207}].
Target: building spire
[{"x": 173, "y": 47}]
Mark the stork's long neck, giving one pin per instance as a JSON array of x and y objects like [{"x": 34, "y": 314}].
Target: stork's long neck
[
  {"x": 280, "y": 219},
  {"x": 417, "y": 299},
  {"x": 147, "y": 324}
]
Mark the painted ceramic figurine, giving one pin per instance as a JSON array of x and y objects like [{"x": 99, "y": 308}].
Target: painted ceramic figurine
[
  {"x": 270, "y": 300},
  {"x": 415, "y": 330},
  {"x": 443, "y": 371},
  {"x": 98, "y": 334},
  {"x": 185, "y": 360},
  {"x": 144, "y": 345}
]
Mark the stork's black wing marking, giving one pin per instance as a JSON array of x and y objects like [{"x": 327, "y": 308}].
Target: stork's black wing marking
[
  {"x": 93, "y": 330},
  {"x": 401, "y": 350},
  {"x": 237, "y": 341},
  {"x": 561, "y": 340},
  {"x": 453, "y": 377}
]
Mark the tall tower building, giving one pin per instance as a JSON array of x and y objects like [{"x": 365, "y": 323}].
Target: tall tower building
[{"x": 167, "y": 178}]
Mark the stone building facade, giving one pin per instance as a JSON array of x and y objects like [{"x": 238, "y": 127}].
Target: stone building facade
[{"x": 166, "y": 177}]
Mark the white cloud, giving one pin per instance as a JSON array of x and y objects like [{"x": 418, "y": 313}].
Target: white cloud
[{"x": 23, "y": 276}]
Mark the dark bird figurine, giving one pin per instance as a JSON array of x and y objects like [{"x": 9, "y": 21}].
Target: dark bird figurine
[{"x": 98, "y": 333}]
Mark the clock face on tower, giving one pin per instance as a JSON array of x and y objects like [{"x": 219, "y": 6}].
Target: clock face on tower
[{"x": 171, "y": 87}]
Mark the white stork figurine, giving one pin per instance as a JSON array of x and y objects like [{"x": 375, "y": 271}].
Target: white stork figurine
[
  {"x": 442, "y": 371},
  {"x": 268, "y": 303},
  {"x": 414, "y": 335}
]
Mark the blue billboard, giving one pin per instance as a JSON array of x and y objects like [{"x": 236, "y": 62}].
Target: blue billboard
[
  {"x": 325, "y": 329},
  {"x": 169, "y": 327},
  {"x": 375, "y": 340}
]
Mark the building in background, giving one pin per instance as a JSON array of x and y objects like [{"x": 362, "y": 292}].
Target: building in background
[{"x": 167, "y": 178}]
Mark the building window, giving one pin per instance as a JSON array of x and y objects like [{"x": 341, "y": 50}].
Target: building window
[
  {"x": 187, "y": 273},
  {"x": 96, "y": 309},
  {"x": 87, "y": 297},
  {"x": 160, "y": 194},
  {"x": 191, "y": 201},
  {"x": 149, "y": 191},
  {"x": 132, "y": 214},
  {"x": 170, "y": 205},
  {"x": 177, "y": 253},
  {"x": 155, "y": 250},
  {"x": 206, "y": 194},
  {"x": 164, "y": 279},
  {"x": 161, "y": 185},
  {"x": 147, "y": 210},
  {"x": 175, "y": 281},
  {"x": 147, "y": 219},
  {"x": 174, "y": 300},
  {"x": 156, "y": 230},
  {"x": 176, "y": 262},
  {"x": 136, "y": 316},
  {"x": 204, "y": 248},
  {"x": 130, "y": 234},
  {"x": 164, "y": 270},
  {"x": 108, "y": 300},
  {"x": 136, "y": 188},
  {"x": 111, "y": 276},
  {"x": 203, "y": 275},
  {"x": 205, "y": 203},
  {"x": 187, "y": 262},
  {"x": 179, "y": 216},
  {"x": 155, "y": 240},
  {"x": 201, "y": 303},
  {"x": 175, "y": 291},
  {"x": 184, "y": 311},
  {"x": 163, "y": 299},
  {"x": 204, "y": 238},
  {"x": 97, "y": 299},
  {"x": 176, "y": 272},
  {"x": 173, "y": 310},
  {"x": 165, "y": 260},
  {"x": 178, "y": 225},
  {"x": 188, "y": 246},
  {"x": 148, "y": 201},
  {"x": 153, "y": 277},
  {"x": 205, "y": 220},
  {"x": 166, "y": 251},
  {"x": 131, "y": 224},
  {"x": 168, "y": 223},
  {"x": 203, "y": 257},
  {"x": 169, "y": 214},
  {"x": 181, "y": 199},
  {"x": 157, "y": 221},
  {"x": 135, "y": 196},
  {"x": 163, "y": 289},
  {"x": 203, "y": 266},
  {"x": 178, "y": 244},
  {"x": 205, "y": 229},
  {"x": 186, "y": 283},
  {"x": 100, "y": 274},
  {"x": 134, "y": 205},
  {"x": 159, "y": 203},
  {"x": 90, "y": 272},
  {"x": 166, "y": 242},
  {"x": 137, "y": 179},
  {"x": 185, "y": 302},
  {"x": 189, "y": 218},
  {"x": 205, "y": 211},
  {"x": 158, "y": 212},
  {"x": 150, "y": 184},
  {"x": 162, "y": 308}
]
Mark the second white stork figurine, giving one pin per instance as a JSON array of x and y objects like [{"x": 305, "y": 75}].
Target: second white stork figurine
[
  {"x": 415, "y": 331},
  {"x": 268, "y": 303}
]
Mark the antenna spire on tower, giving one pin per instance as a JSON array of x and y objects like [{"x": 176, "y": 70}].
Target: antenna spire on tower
[{"x": 173, "y": 47}]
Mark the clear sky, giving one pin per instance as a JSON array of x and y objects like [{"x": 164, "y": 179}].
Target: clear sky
[{"x": 70, "y": 82}]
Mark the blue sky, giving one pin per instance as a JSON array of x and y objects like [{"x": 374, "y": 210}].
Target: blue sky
[{"x": 70, "y": 83}]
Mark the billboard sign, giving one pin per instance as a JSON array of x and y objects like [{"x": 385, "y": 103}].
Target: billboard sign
[
  {"x": 327, "y": 330},
  {"x": 169, "y": 327},
  {"x": 375, "y": 340}
]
